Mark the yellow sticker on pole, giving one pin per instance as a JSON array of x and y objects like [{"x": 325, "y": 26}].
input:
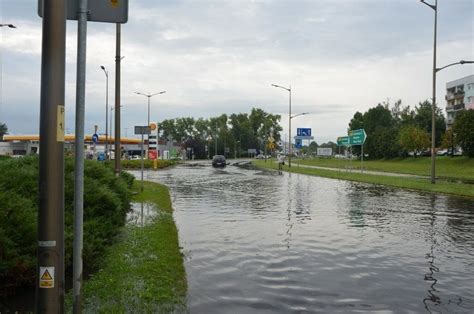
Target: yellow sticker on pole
[
  {"x": 60, "y": 124},
  {"x": 46, "y": 277},
  {"x": 114, "y": 3}
]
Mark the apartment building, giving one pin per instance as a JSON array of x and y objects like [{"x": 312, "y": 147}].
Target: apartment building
[{"x": 459, "y": 96}]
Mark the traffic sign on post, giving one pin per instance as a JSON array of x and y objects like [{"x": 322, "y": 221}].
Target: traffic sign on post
[
  {"x": 108, "y": 11},
  {"x": 343, "y": 141},
  {"x": 95, "y": 138},
  {"x": 303, "y": 132},
  {"x": 357, "y": 137}
]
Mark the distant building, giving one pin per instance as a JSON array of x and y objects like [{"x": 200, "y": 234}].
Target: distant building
[{"x": 459, "y": 96}]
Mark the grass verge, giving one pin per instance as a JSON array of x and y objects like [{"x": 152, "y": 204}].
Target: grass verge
[
  {"x": 446, "y": 167},
  {"x": 147, "y": 164},
  {"x": 144, "y": 271},
  {"x": 401, "y": 182}
]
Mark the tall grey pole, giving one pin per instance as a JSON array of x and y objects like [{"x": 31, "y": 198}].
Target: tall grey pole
[
  {"x": 79, "y": 154},
  {"x": 433, "y": 107},
  {"x": 289, "y": 119},
  {"x": 148, "y": 110},
  {"x": 106, "y": 115},
  {"x": 141, "y": 151},
  {"x": 215, "y": 148},
  {"x": 118, "y": 150},
  {"x": 50, "y": 262}
]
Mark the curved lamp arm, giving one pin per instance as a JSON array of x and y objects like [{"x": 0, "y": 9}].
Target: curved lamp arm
[{"x": 460, "y": 62}]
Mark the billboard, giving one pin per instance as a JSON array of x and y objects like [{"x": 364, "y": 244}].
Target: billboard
[{"x": 322, "y": 151}]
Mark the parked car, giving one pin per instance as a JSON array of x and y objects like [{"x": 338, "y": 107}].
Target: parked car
[
  {"x": 218, "y": 161},
  {"x": 260, "y": 156},
  {"x": 443, "y": 152},
  {"x": 135, "y": 157}
]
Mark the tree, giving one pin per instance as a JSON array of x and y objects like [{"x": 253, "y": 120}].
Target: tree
[
  {"x": 449, "y": 140},
  {"x": 422, "y": 119},
  {"x": 413, "y": 139},
  {"x": 3, "y": 130},
  {"x": 464, "y": 129}
]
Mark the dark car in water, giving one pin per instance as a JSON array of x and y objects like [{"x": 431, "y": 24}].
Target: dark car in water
[{"x": 218, "y": 161}]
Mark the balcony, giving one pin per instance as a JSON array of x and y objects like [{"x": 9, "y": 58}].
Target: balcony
[
  {"x": 455, "y": 95},
  {"x": 455, "y": 107}
]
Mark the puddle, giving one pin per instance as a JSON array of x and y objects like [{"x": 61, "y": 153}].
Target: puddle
[{"x": 142, "y": 214}]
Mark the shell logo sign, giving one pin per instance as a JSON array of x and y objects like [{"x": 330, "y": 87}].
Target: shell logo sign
[{"x": 153, "y": 141}]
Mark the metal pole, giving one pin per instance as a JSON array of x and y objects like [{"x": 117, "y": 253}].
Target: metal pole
[
  {"x": 107, "y": 116},
  {"x": 215, "y": 148},
  {"x": 118, "y": 150},
  {"x": 149, "y": 96},
  {"x": 111, "y": 128},
  {"x": 142, "y": 160},
  {"x": 289, "y": 148},
  {"x": 50, "y": 262},
  {"x": 433, "y": 107},
  {"x": 362, "y": 160},
  {"x": 265, "y": 142},
  {"x": 79, "y": 154}
]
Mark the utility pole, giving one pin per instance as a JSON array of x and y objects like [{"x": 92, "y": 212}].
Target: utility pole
[
  {"x": 79, "y": 154},
  {"x": 118, "y": 150},
  {"x": 215, "y": 148},
  {"x": 50, "y": 262}
]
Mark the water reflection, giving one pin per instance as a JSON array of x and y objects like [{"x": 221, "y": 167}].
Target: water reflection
[
  {"x": 267, "y": 242},
  {"x": 141, "y": 214}
]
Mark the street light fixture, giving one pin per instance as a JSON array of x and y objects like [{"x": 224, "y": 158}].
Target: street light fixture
[
  {"x": 455, "y": 63},
  {"x": 106, "y": 110},
  {"x": 289, "y": 119},
  {"x": 433, "y": 105},
  {"x": 8, "y": 25},
  {"x": 300, "y": 114},
  {"x": 149, "y": 96}
]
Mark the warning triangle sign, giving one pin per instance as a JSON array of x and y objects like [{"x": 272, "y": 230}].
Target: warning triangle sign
[{"x": 46, "y": 275}]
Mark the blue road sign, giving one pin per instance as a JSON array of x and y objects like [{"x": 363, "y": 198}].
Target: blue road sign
[
  {"x": 95, "y": 138},
  {"x": 298, "y": 143},
  {"x": 303, "y": 131}
]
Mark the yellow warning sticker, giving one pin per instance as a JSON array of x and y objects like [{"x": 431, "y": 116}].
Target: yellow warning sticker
[
  {"x": 60, "y": 124},
  {"x": 46, "y": 277},
  {"x": 114, "y": 3}
]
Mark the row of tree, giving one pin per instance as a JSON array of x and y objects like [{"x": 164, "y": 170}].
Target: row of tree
[
  {"x": 396, "y": 131},
  {"x": 234, "y": 134}
]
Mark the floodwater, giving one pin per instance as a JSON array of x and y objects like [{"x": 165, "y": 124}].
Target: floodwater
[{"x": 262, "y": 242}]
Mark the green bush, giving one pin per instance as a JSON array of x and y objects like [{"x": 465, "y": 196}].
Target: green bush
[
  {"x": 147, "y": 164},
  {"x": 106, "y": 203}
]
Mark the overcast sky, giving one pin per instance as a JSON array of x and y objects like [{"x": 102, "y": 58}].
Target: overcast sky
[{"x": 213, "y": 57}]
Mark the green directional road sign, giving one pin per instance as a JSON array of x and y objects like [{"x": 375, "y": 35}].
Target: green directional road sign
[
  {"x": 343, "y": 141},
  {"x": 357, "y": 137}
]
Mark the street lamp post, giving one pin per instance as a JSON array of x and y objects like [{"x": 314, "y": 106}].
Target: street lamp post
[
  {"x": 106, "y": 111},
  {"x": 289, "y": 120},
  {"x": 149, "y": 96},
  {"x": 215, "y": 146},
  {"x": 433, "y": 105}
]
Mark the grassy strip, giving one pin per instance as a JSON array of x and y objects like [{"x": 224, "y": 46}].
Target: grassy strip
[
  {"x": 401, "y": 182},
  {"x": 147, "y": 164},
  {"x": 446, "y": 167},
  {"x": 144, "y": 272}
]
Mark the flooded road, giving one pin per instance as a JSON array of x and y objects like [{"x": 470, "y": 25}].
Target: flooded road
[{"x": 261, "y": 242}]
